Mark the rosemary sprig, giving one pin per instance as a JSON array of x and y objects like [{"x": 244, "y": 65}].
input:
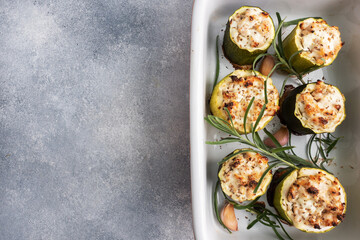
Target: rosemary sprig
[
  {"x": 279, "y": 50},
  {"x": 324, "y": 143},
  {"x": 216, "y": 206},
  {"x": 264, "y": 216},
  {"x": 289, "y": 143},
  {"x": 257, "y": 143},
  {"x": 217, "y": 70}
]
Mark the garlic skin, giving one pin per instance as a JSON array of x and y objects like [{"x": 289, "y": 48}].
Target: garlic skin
[
  {"x": 282, "y": 135},
  {"x": 266, "y": 65},
  {"x": 228, "y": 217}
]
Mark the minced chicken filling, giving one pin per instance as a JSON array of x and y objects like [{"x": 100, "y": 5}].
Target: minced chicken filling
[
  {"x": 320, "y": 107},
  {"x": 251, "y": 28},
  {"x": 240, "y": 175},
  {"x": 237, "y": 93},
  {"x": 316, "y": 201},
  {"x": 319, "y": 41}
]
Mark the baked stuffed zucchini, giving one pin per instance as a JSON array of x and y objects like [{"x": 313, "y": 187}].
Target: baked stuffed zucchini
[
  {"x": 319, "y": 43},
  {"x": 235, "y": 92},
  {"x": 311, "y": 200},
  {"x": 313, "y": 108},
  {"x": 249, "y": 32},
  {"x": 240, "y": 174}
]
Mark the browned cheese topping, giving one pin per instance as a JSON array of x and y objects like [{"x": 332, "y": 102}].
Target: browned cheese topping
[
  {"x": 316, "y": 201},
  {"x": 319, "y": 41},
  {"x": 237, "y": 93},
  {"x": 251, "y": 28},
  {"x": 321, "y": 107},
  {"x": 240, "y": 175}
]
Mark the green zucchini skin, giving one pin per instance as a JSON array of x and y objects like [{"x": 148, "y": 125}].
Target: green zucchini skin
[
  {"x": 240, "y": 56},
  {"x": 287, "y": 113},
  {"x": 278, "y": 176}
]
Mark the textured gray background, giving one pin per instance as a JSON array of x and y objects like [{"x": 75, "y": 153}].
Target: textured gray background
[{"x": 94, "y": 121}]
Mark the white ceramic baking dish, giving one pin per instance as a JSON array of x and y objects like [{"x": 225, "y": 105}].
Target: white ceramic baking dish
[{"x": 209, "y": 19}]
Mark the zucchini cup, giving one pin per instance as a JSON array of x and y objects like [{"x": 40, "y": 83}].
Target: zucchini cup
[
  {"x": 235, "y": 92},
  {"x": 319, "y": 43},
  {"x": 249, "y": 32},
  {"x": 240, "y": 174},
  {"x": 313, "y": 108},
  {"x": 311, "y": 200}
]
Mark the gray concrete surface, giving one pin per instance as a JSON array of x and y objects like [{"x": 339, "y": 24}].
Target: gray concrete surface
[{"x": 94, "y": 120}]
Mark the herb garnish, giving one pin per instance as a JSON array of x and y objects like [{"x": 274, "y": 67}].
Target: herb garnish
[
  {"x": 324, "y": 143},
  {"x": 217, "y": 70}
]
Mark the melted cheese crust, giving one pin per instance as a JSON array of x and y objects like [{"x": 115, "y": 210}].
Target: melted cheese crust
[
  {"x": 240, "y": 175},
  {"x": 251, "y": 28},
  {"x": 236, "y": 94},
  {"x": 321, "y": 107},
  {"x": 319, "y": 41},
  {"x": 316, "y": 202}
]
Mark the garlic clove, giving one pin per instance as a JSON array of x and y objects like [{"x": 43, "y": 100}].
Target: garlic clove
[
  {"x": 266, "y": 65},
  {"x": 228, "y": 217},
  {"x": 282, "y": 135}
]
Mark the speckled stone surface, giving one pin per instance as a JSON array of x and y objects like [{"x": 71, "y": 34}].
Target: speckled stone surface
[{"x": 94, "y": 119}]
